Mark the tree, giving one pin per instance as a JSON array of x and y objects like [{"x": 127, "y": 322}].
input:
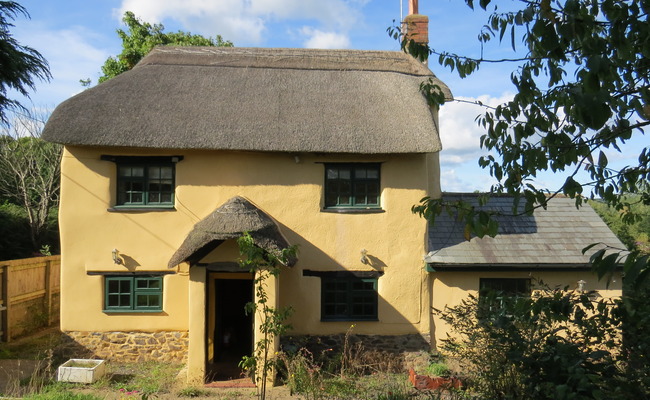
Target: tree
[
  {"x": 30, "y": 170},
  {"x": 142, "y": 37},
  {"x": 582, "y": 87},
  {"x": 19, "y": 64}
]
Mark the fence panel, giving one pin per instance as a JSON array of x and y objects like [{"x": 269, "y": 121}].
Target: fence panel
[{"x": 29, "y": 295}]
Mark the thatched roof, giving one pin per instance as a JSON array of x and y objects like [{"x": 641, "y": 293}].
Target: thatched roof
[
  {"x": 288, "y": 100},
  {"x": 230, "y": 221},
  {"x": 551, "y": 238}
]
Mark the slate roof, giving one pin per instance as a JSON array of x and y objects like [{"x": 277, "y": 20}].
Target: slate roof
[
  {"x": 255, "y": 99},
  {"x": 230, "y": 221},
  {"x": 551, "y": 238}
]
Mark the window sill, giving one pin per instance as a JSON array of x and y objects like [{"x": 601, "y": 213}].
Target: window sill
[
  {"x": 353, "y": 210},
  {"x": 133, "y": 311},
  {"x": 350, "y": 320},
  {"x": 141, "y": 208}
]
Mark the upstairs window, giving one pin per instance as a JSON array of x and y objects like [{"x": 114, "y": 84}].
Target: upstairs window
[
  {"x": 352, "y": 185},
  {"x": 133, "y": 293},
  {"x": 145, "y": 184},
  {"x": 145, "y": 181}
]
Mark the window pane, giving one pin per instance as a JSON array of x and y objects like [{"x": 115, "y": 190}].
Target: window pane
[
  {"x": 124, "y": 171},
  {"x": 113, "y": 300},
  {"x": 360, "y": 173},
  {"x": 332, "y": 173},
  {"x": 344, "y": 174},
  {"x": 166, "y": 172},
  {"x": 113, "y": 286},
  {"x": 154, "y": 301},
  {"x": 137, "y": 171},
  {"x": 125, "y": 286},
  {"x": 154, "y": 172},
  {"x": 373, "y": 173}
]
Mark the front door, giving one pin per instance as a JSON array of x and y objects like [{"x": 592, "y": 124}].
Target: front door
[{"x": 230, "y": 336}]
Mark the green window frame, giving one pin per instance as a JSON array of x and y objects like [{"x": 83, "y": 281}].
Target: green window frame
[
  {"x": 145, "y": 183},
  {"x": 139, "y": 293},
  {"x": 349, "y": 299},
  {"x": 494, "y": 293},
  {"x": 356, "y": 185}
]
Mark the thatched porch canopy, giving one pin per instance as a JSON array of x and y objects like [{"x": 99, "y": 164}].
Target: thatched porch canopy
[
  {"x": 230, "y": 221},
  {"x": 253, "y": 99}
]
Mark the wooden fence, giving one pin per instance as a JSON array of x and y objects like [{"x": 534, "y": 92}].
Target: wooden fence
[{"x": 29, "y": 295}]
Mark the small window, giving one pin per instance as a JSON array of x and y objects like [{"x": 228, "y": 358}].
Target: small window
[
  {"x": 133, "y": 293},
  {"x": 505, "y": 286},
  {"x": 348, "y": 299},
  {"x": 144, "y": 184},
  {"x": 495, "y": 292},
  {"x": 352, "y": 185}
]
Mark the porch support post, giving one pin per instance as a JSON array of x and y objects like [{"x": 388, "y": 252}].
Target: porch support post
[
  {"x": 196, "y": 352},
  {"x": 272, "y": 284}
]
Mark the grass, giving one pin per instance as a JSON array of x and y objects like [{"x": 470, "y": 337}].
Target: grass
[
  {"x": 146, "y": 377},
  {"x": 31, "y": 348},
  {"x": 192, "y": 391}
]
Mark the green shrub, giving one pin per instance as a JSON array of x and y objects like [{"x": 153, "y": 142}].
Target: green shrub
[
  {"x": 557, "y": 344},
  {"x": 438, "y": 369}
]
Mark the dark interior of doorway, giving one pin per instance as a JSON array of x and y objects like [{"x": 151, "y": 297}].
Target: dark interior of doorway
[{"x": 233, "y": 335}]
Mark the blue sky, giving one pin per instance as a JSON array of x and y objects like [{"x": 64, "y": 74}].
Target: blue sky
[{"x": 76, "y": 37}]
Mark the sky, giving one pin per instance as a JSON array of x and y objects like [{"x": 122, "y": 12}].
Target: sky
[{"x": 77, "y": 36}]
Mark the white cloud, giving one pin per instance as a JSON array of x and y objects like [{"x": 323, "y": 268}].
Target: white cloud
[
  {"x": 246, "y": 22},
  {"x": 70, "y": 55},
  {"x": 459, "y": 131},
  {"x": 317, "y": 39}
]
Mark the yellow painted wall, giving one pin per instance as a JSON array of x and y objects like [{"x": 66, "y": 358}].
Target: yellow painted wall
[
  {"x": 451, "y": 288},
  {"x": 291, "y": 192}
]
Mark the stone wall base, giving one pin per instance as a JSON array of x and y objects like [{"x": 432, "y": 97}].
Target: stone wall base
[
  {"x": 402, "y": 351},
  {"x": 126, "y": 346}
]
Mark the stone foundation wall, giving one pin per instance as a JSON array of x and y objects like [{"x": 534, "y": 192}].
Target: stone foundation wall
[
  {"x": 412, "y": 350},
  {"x": 127, "y": 346}
]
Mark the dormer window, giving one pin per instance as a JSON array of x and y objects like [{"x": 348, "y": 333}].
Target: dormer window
[{"x": 354, "y": 186}]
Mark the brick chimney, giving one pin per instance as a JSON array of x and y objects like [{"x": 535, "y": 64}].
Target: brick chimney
[{"x": 416, "y": 25}]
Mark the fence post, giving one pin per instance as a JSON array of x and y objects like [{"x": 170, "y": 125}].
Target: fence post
[
  {"x": 6, "y": 327},
  {"x": 3, "y": 290},
  {"x": 48, "y": 291}
]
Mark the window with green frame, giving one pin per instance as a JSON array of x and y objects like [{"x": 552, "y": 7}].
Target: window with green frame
[
  {"x": 145, "y": 184},
  {"x": 495, "y": 293},
  {"x": 138, "y": 293},
  {"x": 348, "y": 299},
  {"x": 352, "y": 185}
]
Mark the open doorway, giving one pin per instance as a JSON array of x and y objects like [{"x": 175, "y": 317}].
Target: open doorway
[{"x": 232, "y": 335}]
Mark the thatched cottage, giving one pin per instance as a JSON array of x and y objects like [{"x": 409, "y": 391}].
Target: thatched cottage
[{"x": 167, "y": 164}]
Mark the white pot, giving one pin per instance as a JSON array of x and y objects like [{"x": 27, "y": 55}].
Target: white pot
[{"x": 81, "y": 370}]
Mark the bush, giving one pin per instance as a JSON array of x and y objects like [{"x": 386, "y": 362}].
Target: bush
[
  {"x": 14, "y": 233},
  {"x": 557, "y": 344},
  {"x": 15, "y": 239}
]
